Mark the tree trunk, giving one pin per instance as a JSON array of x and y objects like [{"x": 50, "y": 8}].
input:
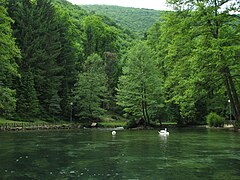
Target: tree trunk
[
  {"x": 146, "y": 110},
  {"x": 144, "y": 104},
  {"x": 232, "y": 94},
  {"x": 143, "y": 110}
]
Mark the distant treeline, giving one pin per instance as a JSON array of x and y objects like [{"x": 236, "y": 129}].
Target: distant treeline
[{"x": 136, "y": 20}]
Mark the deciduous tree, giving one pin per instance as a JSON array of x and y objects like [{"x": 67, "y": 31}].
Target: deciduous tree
[
  {"x": 8, "y": 66},
  {"x": 139, "y": 88},
  {"x": 90, "y": 89}
]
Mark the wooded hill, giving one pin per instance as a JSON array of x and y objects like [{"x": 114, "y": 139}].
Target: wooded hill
[
  {"x": 137, "y": 20},
  {"x": 47, "y": 51},
  {"x": 58, "y": 61}
]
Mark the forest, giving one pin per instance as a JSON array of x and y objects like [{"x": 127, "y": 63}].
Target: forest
[
  {"x": 61, "y": 62},
  {"x": 136, "y": 20}
]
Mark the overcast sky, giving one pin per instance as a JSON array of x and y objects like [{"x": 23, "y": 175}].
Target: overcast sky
[{"x": 149, "y": 4}]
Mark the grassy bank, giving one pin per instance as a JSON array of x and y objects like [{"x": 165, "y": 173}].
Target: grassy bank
[
  {"x": 9, "y": 125},
  {"x": 108, "y": 121},
  {"x": 5, "y": 121},
  {"x": 110, "y": 124}
]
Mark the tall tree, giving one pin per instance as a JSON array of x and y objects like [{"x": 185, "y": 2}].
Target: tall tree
[
  {"x": 90, "y": 89},
  {"x": 8, "y": 67},
  {"x": 99, "y": 37},
  {"x": 29, "y": 106},
  {"x": 202, "y": 51},
  {"x": 113, "y": 71},
  {"x": 102, "y": 37},
  {"x": 37, "y": 32},
  {"x": 139, "y": 88},
  {"x": 69, "y": 59}
]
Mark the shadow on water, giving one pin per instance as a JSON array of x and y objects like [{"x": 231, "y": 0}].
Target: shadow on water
[{"x": 97, "y": 154}]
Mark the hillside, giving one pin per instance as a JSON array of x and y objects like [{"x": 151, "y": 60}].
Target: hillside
[
  {"x": 57, "y": 41},
  {"x": 135, "y": 19}
]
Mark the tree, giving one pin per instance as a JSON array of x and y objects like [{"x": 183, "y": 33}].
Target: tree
[
  {"x": 9, "y": 52},
  {"x": 37, "y": 32},
  {"x": 139, "y": 88},
  {"x": 112, "y": 70},
  {"x": 182, "y": 85},
  {"x": 200, "y": 55},
  {"x": 90, "y": 89},
  {"x": 99, "y": 37},
  {"x": 69, "y": 59},
  {"x": 27, "y": 104}
]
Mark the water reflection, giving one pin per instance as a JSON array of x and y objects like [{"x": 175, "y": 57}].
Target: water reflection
[
  {"x": 113, "y": 137},
  {"x": 163, "y": 137}
]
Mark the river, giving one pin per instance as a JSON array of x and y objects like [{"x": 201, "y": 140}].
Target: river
[{"x": 188, "y": 153}]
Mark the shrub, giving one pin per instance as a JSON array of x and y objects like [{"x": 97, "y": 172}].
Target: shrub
[
  {"x": 214, "y": 120},
  {"x": 237, "y": 124},
  {"x": 131, "y": 124}
]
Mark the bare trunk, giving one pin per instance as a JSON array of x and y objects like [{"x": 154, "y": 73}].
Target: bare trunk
[
  {"x": 146, "y": 111},
  {"x": 235, "y": 97},
  {"x": 144, "y": 100},
  {"x": 232, "y": 94},
  {"x": 143, "y": 110}
]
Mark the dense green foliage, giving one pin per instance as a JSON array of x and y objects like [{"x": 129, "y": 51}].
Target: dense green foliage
[
  {"x": 215, "y": 120},
  {"x": 38, "y": 37},
  {"x": 90, "y": 89},
  {"x": 139, "y": 89},
  {"x": 56, "y": 40},
  {"x": 57, "y": 61},
  {"x": 8, "y": 67},
  {"x": 134, "y": 19},
  {"x": 198, "y": 53}
]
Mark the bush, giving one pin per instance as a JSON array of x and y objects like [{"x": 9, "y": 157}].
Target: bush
[
  {"x": 237, "y": 124},
  {"x": 215, "y": 120},
  {"x": 131, "y": 124}
]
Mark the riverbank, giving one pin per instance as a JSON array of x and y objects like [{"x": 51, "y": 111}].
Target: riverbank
[
  {"x": 226, "y": 127},
  {"x": 25, "y": 126},
  {"x": 35, "y": 126},
  {"x": 9, "y": 125}
]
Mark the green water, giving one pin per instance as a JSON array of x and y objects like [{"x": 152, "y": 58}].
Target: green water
[{"x": 96, "y": 154}]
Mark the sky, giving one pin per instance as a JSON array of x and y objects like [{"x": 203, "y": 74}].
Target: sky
[{"x": 148, "y": 4}]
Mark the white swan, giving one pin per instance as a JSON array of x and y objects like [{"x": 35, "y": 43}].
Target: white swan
[
  {"x": 114, "y": 133},
  {"x": 164, "y": 132}
]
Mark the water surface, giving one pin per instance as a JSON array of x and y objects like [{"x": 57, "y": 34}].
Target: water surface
[{"x": 96, "y": 154}]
